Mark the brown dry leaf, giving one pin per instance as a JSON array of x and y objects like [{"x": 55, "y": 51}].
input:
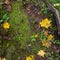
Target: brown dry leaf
[
  {"x": 41, "y": 53},
  {"x": 46, "y": 33},
  {"x": 3, "y": 59},
  {"x": 46, "y": 43},
  {"x": 0, "y": 58},
  {"x": 7, "y": 2}
]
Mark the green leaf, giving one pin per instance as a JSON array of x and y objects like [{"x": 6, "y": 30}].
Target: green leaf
[
  {"x": 1, "y": 21},
  {"x": 33, "y": 40},
  {"x": 32, "y": 36},
  {"x": 6, "y": 17}
]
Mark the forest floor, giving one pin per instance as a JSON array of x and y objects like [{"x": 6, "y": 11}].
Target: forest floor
[{"x": 26, "y": 34}]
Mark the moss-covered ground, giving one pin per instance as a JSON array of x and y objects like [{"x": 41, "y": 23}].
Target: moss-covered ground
[{"x": 19, "y": 22}]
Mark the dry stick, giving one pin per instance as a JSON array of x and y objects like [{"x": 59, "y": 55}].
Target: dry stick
[{"x": 55, "y": 12}]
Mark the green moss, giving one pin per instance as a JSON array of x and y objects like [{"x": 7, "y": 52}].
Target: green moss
[{"x": 19, "y": 23}]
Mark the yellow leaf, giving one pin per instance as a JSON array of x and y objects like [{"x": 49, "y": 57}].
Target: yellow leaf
[
  {"x": 46, "y": 43},
  {"x": 50, "y": 37},
  {"x": 3, "y": 59},
  {"x": 45, "y": 23},
  {"x": 56, "y": 4},
  {"x": 41, "y": 53},
  {"x": 31, "y": 57},
  {"x": 6, "y": 25},
  {"x": 36, "y": 35}
]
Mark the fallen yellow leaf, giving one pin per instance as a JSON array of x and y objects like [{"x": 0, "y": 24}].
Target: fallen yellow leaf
[
  {"x": 45, "y": 23},
  {"x": 41, "y": 53}
]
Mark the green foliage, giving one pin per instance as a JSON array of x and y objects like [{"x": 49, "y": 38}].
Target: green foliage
[
  {"x": 33, "y": 38},
  {"x": 56, "y": 42},
  {"x": 50, "y": 15},
  {"x": 5, "y": 18},
  {"x": 3, "y": 14},
  {"x": 44, "y": 9},
  {"x": 31, "y": 1},
  {"x": 21, "y": 33},
  {"x": 42, "y": 36},
  {"x": 55, "y": 2},
  {"x": 53, "y": 28},
  {"x": 2, "y": 10},
  {"x": 19, "y": 23},
  {"x": 53, "y": 56}
]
